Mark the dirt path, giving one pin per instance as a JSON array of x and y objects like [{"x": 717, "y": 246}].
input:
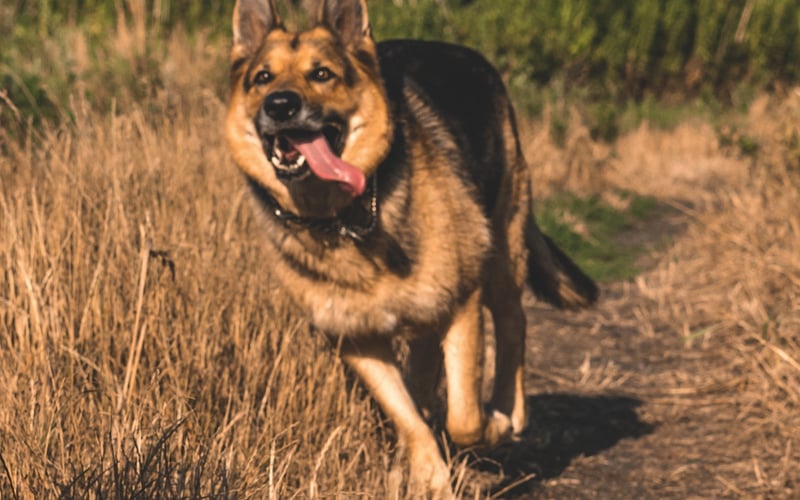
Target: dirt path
[
  {"x": 621, "y": 410},
  {"x": 622, "y": 415},
  {"x": 618, "y": 413}
]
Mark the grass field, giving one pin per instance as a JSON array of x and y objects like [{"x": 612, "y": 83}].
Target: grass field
[{"x": 144, "y": 353}]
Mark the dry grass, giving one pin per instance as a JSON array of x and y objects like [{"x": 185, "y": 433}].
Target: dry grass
[{"x": 144, "y": 354}]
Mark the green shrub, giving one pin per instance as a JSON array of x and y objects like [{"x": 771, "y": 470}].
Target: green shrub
[
  {"x": 621, "y": 49},
  {"x": 612, "y": 50}
]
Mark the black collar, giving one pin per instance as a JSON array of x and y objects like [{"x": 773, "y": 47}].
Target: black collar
[{"x": 326, "y": 225}]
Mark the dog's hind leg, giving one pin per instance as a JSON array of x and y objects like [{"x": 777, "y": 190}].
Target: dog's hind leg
[
  {"x": 505, "y": 279},
  {"x": 508, "y": 394},
  {"x": 373, "y": 360}
]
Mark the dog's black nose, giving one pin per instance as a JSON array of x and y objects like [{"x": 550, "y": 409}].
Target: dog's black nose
[{"x": 281, "y": 106}]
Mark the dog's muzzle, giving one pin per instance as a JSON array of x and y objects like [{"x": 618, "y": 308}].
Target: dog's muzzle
[{"x": 297, "y": 141}]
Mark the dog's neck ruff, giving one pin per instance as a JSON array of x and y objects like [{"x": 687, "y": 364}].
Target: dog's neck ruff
[{"x": 327, "y": 226}]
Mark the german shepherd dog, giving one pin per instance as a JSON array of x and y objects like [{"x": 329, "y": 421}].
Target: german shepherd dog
[{"x": 396, "y": 203}]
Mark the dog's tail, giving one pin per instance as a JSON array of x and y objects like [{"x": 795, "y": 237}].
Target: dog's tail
[{"x": 554, "y": 277}]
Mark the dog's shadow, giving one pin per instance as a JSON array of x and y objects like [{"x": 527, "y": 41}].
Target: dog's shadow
[{"x": 562, "y": 427}]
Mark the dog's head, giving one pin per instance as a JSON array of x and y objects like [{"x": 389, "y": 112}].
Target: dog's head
[{"x": 308, "y": 118}]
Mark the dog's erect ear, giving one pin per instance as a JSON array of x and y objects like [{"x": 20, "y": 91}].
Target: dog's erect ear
[
  {"x": 347, "y": 18},
  {"x": 252, "y": 20}
]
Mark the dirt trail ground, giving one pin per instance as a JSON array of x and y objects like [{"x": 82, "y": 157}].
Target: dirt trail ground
[
  {"x": 682, "y": 383},
  {"x": 621, "y": 415}
]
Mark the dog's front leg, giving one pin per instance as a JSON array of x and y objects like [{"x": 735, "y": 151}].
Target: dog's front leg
[
  {"x": 463, "y": 346},
  {"x": 373, "y": 360}
]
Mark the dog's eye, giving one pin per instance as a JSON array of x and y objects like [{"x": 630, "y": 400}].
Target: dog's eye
[
  {"x": 321, "y": 74},
  {"x": 263, "y": 77}
]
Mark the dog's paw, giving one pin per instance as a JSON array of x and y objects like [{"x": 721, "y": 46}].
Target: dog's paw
[
  {"x": 498, "y": 429},
  {"x": 429, "y": 475}
]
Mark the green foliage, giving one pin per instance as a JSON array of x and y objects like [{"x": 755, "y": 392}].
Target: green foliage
[
  {"x": 593, "y": 232},
  {"x": 426, "y": 19},
  {"x": 44, "y": 17},
  {"x": 731, "y": 138},
  {"x": 620, "y": 49},
  {"x": 605, "y": 52},
  {"x": 55, "y": 51},
  {"x": 603, "y": 120}
]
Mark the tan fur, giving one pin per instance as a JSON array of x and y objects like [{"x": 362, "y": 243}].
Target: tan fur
[{"x": 433, "y": 261}]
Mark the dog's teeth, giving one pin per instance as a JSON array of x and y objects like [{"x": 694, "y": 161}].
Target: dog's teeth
[
  {"x": 301, "y": 161},
  {"x": 276, "y": 161}
]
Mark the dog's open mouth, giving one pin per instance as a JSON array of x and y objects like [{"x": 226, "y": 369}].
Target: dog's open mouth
[{"x": 294, "y": 153}]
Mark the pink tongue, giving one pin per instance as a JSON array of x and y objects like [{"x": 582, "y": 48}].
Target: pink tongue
[{"x": 327, "y": 166}]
